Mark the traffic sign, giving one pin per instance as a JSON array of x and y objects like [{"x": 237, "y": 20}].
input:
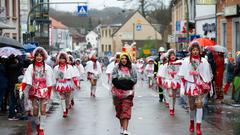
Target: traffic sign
[
  {"x": 82, "y": 10},
  {"x": 153, "y": 51},
  {"x": 138, "y": 27}
]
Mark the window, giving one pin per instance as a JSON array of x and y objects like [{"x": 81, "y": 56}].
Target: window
[
  {"x": 106, "y": 33},
  {"x": 224, "y": 34},
  {"x": 7, "y": 34},
  {"x": 7, "y": 7},
  {"x": 110, "y": 33},
  {"x": 237, "y": 36},
  {"x": 14, "y": 8},
  {"x": 102, "y": 33},
  {"x": 102, "y": 48},
  {"x": 109, "y": 48},
  {"x": 14, "y": 36},
  {"x": 106, "y": 47}
]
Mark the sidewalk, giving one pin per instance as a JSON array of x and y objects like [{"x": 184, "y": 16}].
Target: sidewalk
[{"x": 12, "y": 127}]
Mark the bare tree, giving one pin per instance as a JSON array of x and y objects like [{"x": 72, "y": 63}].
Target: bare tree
[{"x": 147, "y": 6}]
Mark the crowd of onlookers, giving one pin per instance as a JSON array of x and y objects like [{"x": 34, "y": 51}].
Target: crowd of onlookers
[{"x": 10, "y": 69}]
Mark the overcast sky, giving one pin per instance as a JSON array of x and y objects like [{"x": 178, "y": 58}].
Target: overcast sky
[{"x": 96, "y": 4}]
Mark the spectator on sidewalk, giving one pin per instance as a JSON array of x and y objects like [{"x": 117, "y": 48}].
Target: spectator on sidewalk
[
  {"x": 230, "y": 74},
  {"x": 13, "y": 70},
  {"x": 218, "y": 79},
  {"x": 3, "y": 80}
]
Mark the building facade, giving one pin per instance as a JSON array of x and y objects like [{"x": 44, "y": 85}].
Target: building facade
[
  {"x": 205, "y": 19},
  {"x": 136, "y": 30},
  {"x": 106, "y": 40},
  {"x": 92, "y": 39},
  {"x": 60, "y": 36},
  {"x": 228, "y": 28},
  {"x": 10, "y": 16},
  {"x": 39, "y": 23}
]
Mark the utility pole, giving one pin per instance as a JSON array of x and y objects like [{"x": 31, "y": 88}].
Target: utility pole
[{"x": 187, "y": 20}]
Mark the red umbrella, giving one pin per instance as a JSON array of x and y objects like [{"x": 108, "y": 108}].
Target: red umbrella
[{"x": 204, "y": 42}]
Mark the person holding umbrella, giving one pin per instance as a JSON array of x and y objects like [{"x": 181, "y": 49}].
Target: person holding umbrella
[
  {"x": 124, "y": 77},
  {"x": 37, "y": 84},
  {"x": 196, "y": 77}
]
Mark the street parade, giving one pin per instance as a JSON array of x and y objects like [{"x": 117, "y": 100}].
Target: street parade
[{"x": 137, "y": 67}]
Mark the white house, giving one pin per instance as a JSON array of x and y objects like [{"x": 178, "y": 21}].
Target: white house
[{"x": 93, "y": 39}]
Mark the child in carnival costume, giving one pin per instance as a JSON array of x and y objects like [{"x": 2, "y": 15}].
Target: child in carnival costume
[
  {"x": 149, "y": 71},
  {"x": 94, "y": 70},
  {"x": 171, "y": 81},
  {"x": 140, "y": 69},
  {"x": 77, "y": 75},
  {"x": 114, "y": 61},
  {"x": 196, "y": 76},
  {"x": 160, "y": 80},
  {"x": 64, "y": 81},
  {"x": 37, "y": 85},
  {"x": 80, "y": 68}
]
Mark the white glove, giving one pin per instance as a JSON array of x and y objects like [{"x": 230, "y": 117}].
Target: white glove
[{"x": 21, "y": 93}]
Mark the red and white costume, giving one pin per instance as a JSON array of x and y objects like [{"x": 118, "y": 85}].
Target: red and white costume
[
  {"x": 64, "y": 77},
  {"x": 197, "y": 76},
  {"x": 169, "y": 74},
  {"x": 94, "y": 71},
  {"x": 40, "y": 78}
]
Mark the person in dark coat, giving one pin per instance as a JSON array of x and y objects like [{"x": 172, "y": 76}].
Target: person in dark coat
[
  {"x": 157, "y": 63},
  {"x": 3, "y": 80},
  {"x": 13, "y": 70}
]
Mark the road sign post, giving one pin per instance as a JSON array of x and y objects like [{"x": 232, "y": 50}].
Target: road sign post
[{"x": 82, "y": 10}]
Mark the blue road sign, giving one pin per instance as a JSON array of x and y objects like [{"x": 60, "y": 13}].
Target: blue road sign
[
  {"x": 138, "y": 27},
  {"x": 153, "y": 51},
  {"x": 82, "y": 10}
]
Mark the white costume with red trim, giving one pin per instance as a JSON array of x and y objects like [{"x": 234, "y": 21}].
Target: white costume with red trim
[
  {"x": 168, "y": 73},
  {"x": 196, "y": 78},
  {"x": 64, "y": 78},
  {"x": 40, "y": 80},
  {"x": 149, "y": 70},
  {"x": 110, "y": 67},
  {"x": 94, "y": 73}
]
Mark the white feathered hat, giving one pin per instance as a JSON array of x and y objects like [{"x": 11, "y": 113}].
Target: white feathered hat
[
  {"x": 77, "y": 59},
  {"x": 40, "y": 50},
  {"x": 169, "y": 52},
  {"x": 61, "y": 53},
  {"x": 163, "y": 56},
  {"x": 194, "y": 44}
]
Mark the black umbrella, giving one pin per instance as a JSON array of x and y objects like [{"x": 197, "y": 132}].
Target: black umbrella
[{"x": 5, "y": 41}]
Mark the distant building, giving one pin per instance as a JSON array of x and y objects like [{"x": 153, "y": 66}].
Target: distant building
[
  {"x": 10, "y": 16},
  {"x": 134, "y": 29},
  {"x": 39, "y": 23},
  {"x": 60, "y": 36},
  {"x": 228, "y": 24},
  {"x": 92, "y": 39},
  {"x": 105, "y": 47}
]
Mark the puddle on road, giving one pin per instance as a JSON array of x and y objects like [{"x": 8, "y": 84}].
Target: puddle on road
[{"x": 223, "y": 118}]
